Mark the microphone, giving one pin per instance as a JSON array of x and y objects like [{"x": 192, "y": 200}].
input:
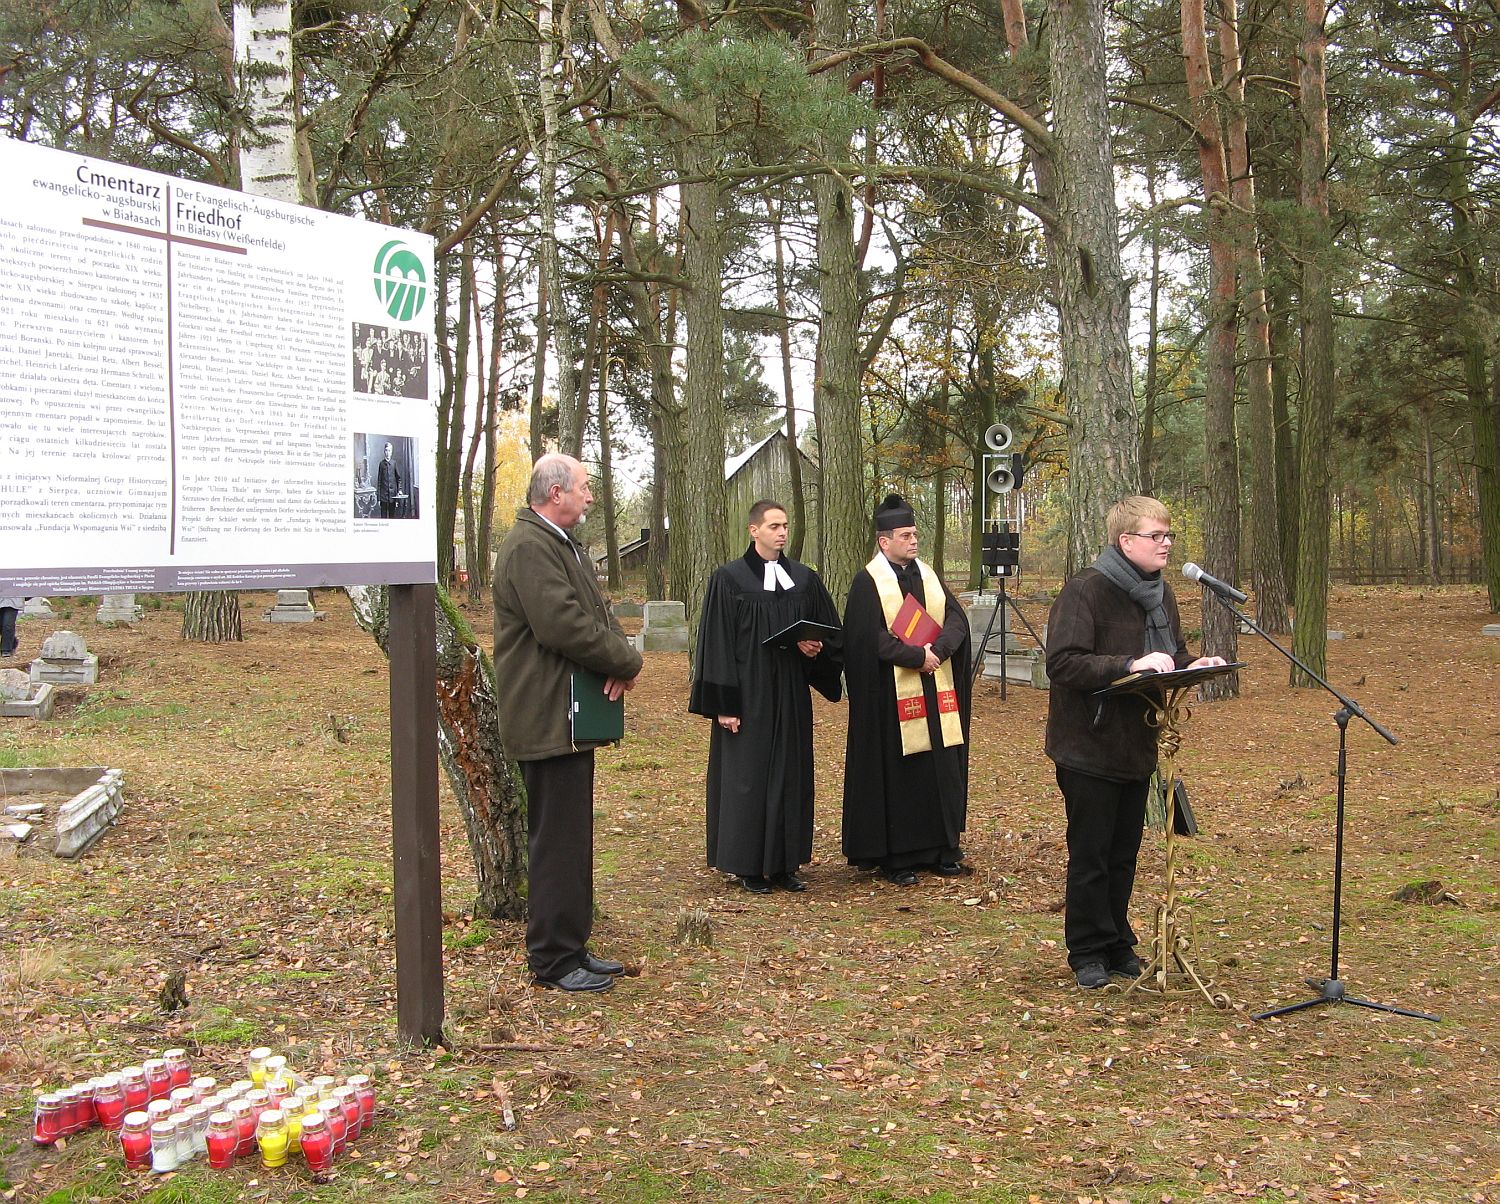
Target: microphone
[{"x": 1193, "y": 573}]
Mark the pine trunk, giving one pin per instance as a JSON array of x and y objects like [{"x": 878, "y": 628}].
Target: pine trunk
[
  {"x": 1310, "y": 639},
  {"x": 846, "y": 514},
  {"x": 698, "y": 543},
  {"x": 486, "y": 786},
  {"x": 212, "y": 617},
  {"x": 1221, "y": 535},
  {"x": 1092, "y": 295}
]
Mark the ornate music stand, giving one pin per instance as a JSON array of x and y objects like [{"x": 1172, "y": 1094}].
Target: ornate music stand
[{"x": 1170, "y": 970}]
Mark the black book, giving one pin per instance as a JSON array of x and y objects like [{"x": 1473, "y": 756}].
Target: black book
[{"x": 803, "y": 629}]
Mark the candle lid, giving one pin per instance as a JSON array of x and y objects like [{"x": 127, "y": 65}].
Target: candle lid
[{"x": 314, "y": 1121}]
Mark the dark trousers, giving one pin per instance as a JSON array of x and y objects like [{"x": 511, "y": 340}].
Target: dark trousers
[
  {"x": 560, "y": 901},
  {"x": 1105, "y": 820},
  {"x": 7, "y": 630}
]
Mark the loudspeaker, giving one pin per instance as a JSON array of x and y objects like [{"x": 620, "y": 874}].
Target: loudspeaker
[
  {"x": 1002, "y": 473},
  {"x": 997, "y": 437}
]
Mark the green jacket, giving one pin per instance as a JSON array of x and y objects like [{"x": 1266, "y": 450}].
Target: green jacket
[{"x": 549, "y": 618}]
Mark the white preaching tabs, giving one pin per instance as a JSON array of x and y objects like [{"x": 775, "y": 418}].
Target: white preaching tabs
[{"x": 776, "y": 575}]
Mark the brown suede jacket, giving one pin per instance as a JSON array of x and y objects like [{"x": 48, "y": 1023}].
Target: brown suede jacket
[
  {"x": 1093, "y": 633},
  {"x": 549, "y": 618}
]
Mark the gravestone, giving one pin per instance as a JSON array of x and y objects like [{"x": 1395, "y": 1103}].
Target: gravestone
[
  {"x": 1492, "y": 629},
  {"x": 118, "y": 608},
  {"x": 664, "y": 628},
  {"x": 20, "y": 698},
  {"x": 37, "y": 608},
  {"x": 292, "y": 606},
  {"x": 82, "y": 803},
  {"x": 627, "y": 610},
  {"x": 65, "y": 661}
]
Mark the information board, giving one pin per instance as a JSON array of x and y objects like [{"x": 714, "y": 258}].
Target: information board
[{"x": 205, "y": 389}]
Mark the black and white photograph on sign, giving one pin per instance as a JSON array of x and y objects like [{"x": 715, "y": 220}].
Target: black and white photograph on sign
[
  {"x": 385, "y": 476},
  {"x": 390, "y": 362}
]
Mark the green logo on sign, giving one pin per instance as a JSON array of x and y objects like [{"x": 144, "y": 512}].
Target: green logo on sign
[{"x": 400, "y": 282}]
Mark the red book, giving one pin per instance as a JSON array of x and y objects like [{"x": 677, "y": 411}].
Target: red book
[{"x": 913, "y": 624}]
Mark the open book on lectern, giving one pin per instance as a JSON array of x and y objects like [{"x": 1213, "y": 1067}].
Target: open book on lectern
[{"x": 1139, "y": 683}]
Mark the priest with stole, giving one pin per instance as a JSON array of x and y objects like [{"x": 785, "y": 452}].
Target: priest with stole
[
  {"x": 751, "y": 675},
  {"x": 906, "y": 661}
]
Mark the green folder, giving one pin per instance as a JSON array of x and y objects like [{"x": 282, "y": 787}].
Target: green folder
[{"x": 593, "y": 717}]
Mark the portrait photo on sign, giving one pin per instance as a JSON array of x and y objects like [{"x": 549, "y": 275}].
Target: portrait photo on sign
[
  {"x": 389, "y": 362},
  {"x": 385, "y": 476}
]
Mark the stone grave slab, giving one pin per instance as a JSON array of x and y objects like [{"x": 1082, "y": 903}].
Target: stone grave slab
[
  {"x": 664, "y": 628},
  {"x": 65, "y": 661},
  {"x": 292, "y": 606},
  {"x": 21, "y": 698},
  {"x": 80, "y": 804},
  {"x": 37, "y": 608},
  {"x": 118, "y": 608},
  {"x": 1492, "y": 629}
]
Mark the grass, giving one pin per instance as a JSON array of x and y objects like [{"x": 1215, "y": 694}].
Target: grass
[{"x": 857, "y": 1043}]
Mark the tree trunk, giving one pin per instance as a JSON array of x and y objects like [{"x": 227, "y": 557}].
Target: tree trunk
[
  {"x": 1287, "y": 493},
  {"x": 606, "y": 469},
  {"x": 1153, "y": 343},
  {"x": 486, "y": 785},
  {"x": 1093, "y": 299},
  {"x": 698, "y": 543},
  {"x": 569, "y": 426},
  {"x": 212, "y": 617},
  {"x": 1221, "y": 535},
  {"x": 846, "y": 513},
  {"x": 541, "y": 337},
  {"x": 1310, "y": 639},
  {"x": 451, "y": 412},
  {"x": 1267, "y": 577},
  {"x": 263, "y": 55},
  {"x": 798, "y": 499}
]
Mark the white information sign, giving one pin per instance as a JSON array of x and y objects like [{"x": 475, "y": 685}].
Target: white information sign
[{"x": 205, "y": 389}]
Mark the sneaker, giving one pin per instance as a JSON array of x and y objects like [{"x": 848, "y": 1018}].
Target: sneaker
[
  {"x": 1127, "y": 967},
  {"x": 1091, "y": 976}
]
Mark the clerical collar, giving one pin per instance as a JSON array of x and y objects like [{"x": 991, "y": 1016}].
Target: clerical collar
[{"x": 774, "y": 574}]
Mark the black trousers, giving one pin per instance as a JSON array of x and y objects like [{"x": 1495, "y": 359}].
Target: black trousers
[
  {"x": 560, "y": 846},
  {"x": 1105, "y": 820}
]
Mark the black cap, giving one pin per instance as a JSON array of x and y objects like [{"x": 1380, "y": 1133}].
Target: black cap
[{"x": 893, "y": 513}]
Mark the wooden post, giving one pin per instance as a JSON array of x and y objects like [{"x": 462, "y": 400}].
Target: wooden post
[{"x": 414, "y": 812}]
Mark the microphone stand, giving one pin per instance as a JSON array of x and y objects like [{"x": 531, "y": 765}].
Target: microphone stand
[{"x": 1332, "y": 988}]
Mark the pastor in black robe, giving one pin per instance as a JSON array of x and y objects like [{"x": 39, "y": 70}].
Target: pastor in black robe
[
  {"x": 901, "y": 812},
  {"x": 760, "y": 779}
]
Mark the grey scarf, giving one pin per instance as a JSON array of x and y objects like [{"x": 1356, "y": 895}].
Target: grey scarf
[{"x": 1149, "y": 593}]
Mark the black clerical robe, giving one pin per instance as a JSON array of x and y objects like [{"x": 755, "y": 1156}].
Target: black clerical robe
[
  {"x": 901, "y": 811},
  {"x": 760, "y": 780}
]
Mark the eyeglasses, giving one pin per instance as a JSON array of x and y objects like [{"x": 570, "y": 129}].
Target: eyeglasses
[{"x": 1155, "y": 536}]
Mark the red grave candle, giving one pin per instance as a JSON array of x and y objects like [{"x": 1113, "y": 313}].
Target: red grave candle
[
  {"x": 48, "y": 1123},
  {"x": 70, "y": 1117},
  {"x": 135, "y": 1139},
  {"x": 109, "y": 1102},
  {"x": 137, "y": 1093},
  {"x": 223, "y": 1140},
  {"x": 348, "y": 1099},
  {"x": 338, "y": 1128},
  {"x": 158, "y": 1078},
  {"x": 317, "y": 1143},
  {"x": 178, "y": 1067},
  {"x": 244, "y": 1121},
  {"x": 366, "y": 1093}
]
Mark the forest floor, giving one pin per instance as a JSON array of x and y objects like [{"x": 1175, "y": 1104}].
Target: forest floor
[{"x": 859, "y": 1042}]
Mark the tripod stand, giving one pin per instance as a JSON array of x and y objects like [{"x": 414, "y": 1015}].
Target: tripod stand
[{"x": 1331, "y": 989}]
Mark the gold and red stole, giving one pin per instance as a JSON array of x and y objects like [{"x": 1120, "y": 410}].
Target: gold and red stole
[{"x": 911, "y": 704}]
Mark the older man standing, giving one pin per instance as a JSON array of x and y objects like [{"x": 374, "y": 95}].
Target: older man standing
[{"x": 551, "y": 619}]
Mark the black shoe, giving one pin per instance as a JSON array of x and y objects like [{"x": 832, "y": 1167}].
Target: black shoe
[
  {"x": 948, "y": 869},
  {"x": 756, "y": 885},
  {"x": 791, "y": 882},
  {"x": 578, "y": 979},
  {"x": 901, "y": 877},
  {"x": 1127, "y": 967},
  {"x": 1091, "y": 976},
  {"x": 600, "y": 965}
]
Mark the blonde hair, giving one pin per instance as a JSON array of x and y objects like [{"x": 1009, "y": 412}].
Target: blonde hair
[{"x": 1129, "y": 513}]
